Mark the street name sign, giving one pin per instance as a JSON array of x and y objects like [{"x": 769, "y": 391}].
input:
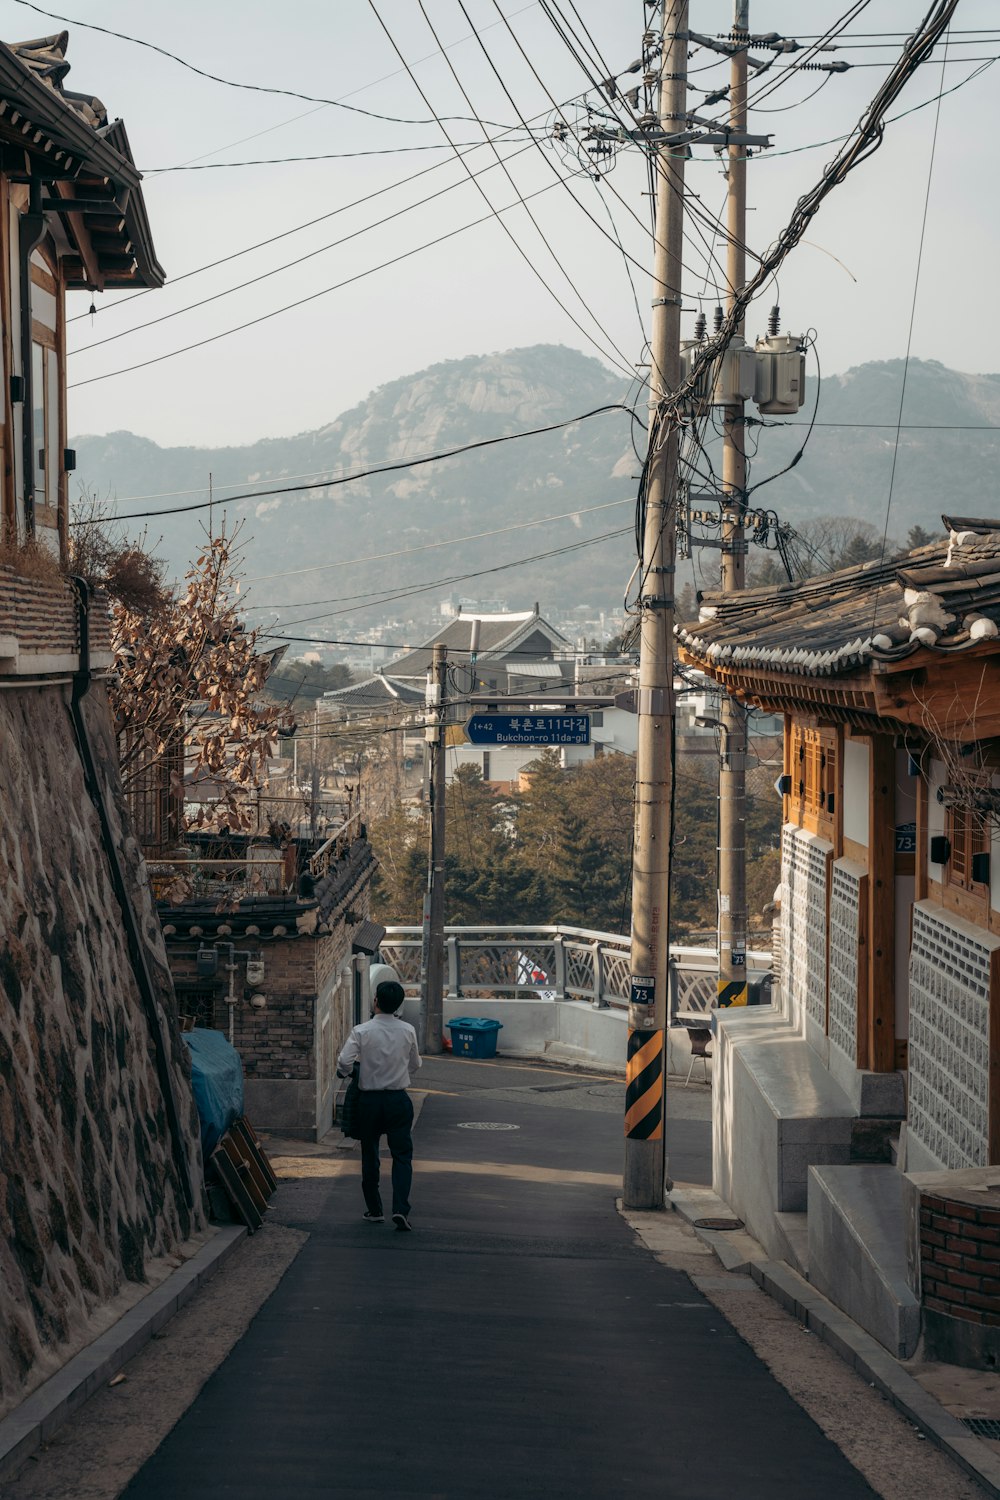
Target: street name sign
[{"x": 529, "y": 729}]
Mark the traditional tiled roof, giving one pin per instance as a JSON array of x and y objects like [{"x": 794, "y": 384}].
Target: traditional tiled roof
[
  {"x": 498, "y": 635},
  {"x": 380, "y": 691},
  {"x": 943, "y": 597},
  {"x": 66, "y": 139}
]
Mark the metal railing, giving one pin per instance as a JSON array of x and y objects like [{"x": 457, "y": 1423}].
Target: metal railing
[
  {"x": 335, "y": 846},
  {"x": 555, "y": 963},
  {"x": 258, "y": 874}
]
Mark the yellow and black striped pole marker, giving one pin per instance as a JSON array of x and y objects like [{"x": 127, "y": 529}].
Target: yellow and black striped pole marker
[
  {"x": 644, "y": 1086},
  {"x": 731, "y": 992}
]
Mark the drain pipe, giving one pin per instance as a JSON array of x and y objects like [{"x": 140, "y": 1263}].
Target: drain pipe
[
  {"x": 31, "y": 232},
  {"x": 137, "y": 953}
]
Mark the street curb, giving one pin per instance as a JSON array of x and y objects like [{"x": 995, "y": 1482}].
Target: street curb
[
  {"x": 42, "y": 1413},
  {"x": 877, "y": 1366}
]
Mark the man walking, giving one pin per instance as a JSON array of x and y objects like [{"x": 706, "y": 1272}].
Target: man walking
[{"x": 386, "y": 1050}]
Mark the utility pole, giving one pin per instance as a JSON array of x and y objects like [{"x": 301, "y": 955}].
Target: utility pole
[
  {"x": 314, "y": 780},
  {"x": 645, "y": 1161},
  {"x": 430, "y": 1030},
  {"x": 732, "y": 895}
]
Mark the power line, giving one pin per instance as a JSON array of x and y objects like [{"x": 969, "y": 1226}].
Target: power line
[
  {"x": 407, "y": 593},
  {"x": 255, "y": 88},
  {"x": 407, "y": 463},
  {"x": 521, "y": 200},
  {"x": 451, "y": 541},
  {"x": 312, "y": 297},
  {"x": 288, "y": 265},
  {"x": 275, "y": 161},
  {"x": 913, "y": 314}
]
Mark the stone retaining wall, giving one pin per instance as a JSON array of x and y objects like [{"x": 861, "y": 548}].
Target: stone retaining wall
[{"x": 89, "y": 1187}]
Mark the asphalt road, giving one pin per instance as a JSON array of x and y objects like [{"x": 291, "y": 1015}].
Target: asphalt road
[{"x": 518, "y": 1343}]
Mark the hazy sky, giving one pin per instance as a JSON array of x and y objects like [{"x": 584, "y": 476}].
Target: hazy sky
[{"x": 473, "y": 293}]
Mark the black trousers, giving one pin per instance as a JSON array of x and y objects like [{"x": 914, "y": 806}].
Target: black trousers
[{"x": 389, "y": 1113}]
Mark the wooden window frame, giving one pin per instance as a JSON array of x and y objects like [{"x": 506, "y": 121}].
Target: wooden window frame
[{"x": 815, "y": 763}]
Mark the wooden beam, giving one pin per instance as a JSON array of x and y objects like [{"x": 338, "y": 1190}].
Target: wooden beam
[
  {"x": 993, "y": 1116},
  {"x": 81, "y": 238},
  {"x": 920, "y": 866},
  {"x": 8, "y": 510},
  {"x": 881, "y": 905}
]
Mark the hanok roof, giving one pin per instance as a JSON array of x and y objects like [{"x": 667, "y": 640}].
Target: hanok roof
[
  {"x": 944, "y": 598},
  {"x": 374, "y": 693},
  {"x": 499, "y": 635},
  {"x": 85, "y": 162}
]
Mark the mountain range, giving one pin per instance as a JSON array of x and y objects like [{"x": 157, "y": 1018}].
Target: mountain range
[{"x": 343, "y": 533}]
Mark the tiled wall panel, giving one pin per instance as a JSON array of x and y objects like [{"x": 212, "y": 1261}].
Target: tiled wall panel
[
  {"x": 949, "y": 1038},
  {"x": 845, "y": 913}
]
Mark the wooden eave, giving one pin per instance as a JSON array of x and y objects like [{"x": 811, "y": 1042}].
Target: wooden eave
[
  {"x": 42, "y": 135},
  {"x": 953, "y": 696}
]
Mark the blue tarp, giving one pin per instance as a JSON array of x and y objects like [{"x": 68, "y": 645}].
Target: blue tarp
[{"x": 217, "y": 1082}]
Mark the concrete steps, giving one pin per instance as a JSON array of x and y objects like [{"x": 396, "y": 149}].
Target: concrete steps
[
  {"x": 793, "y": 1230},
  {"x": 856, "y": 1251}
]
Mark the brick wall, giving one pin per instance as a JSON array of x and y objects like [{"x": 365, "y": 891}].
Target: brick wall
[
  {"x": 41, "y": 614},
  {"x": 960, "y": 1274}
]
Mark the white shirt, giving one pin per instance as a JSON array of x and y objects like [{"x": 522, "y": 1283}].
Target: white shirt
[{"x": 387, "y": 1049}]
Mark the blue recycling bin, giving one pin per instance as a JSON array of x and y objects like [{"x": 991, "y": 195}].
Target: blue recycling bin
[{"x": 474, "y": 1036}]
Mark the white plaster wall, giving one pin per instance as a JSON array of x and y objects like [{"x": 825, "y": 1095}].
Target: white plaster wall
[
  {"x": 856, "y": 760},
  {"x": 566, "y": 1030}
]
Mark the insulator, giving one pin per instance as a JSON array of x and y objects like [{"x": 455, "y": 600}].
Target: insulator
[
  {"x": 699, "y": 327},
  {"x": 774, "y": 321},
  {"x": 717, "y": 319}
]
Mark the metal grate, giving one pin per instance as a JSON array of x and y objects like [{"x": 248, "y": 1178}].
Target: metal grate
[{"x": 987, "y": 1427}]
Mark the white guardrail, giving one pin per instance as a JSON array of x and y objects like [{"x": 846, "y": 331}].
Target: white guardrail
[{"x": 560, "y": 963}]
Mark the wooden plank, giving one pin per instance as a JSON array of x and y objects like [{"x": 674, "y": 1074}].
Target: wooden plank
[
  {"x": 838, "y": 796},
  {"x": 42, "y": 334},
  {"x": 248, "y": 1137},
  {"x": 236, "y": 1190},
  {"x": 253, "y": 1179},
  {"x": 994, "y": 1067},
  {"x": 863, "y": 1024},
  {"x": 44, "y": 279},
  {"x": 64, "y": 480},
  {"x": 8, "y": 509},
  {"x": 920, "y": 868},
  {"x": 81, "y": 238},
  {"x": 881, "y": 905}
]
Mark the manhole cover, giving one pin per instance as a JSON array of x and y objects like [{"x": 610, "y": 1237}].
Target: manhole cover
[
  {"x": 987, "y": 1427},
  {"x": 487, "y": 1125},
  {"x": 719, "y": 1224}
]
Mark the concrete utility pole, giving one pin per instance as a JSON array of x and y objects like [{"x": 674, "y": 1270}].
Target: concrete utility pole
[
  {"x": 431, "y": 1028},
  {"x": 732, "y": 980},
  {"x": 645, "y": 1162},
  {"x": 314, "y": 779}
]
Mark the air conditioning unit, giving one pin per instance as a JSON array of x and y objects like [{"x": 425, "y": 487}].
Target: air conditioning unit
[{"x": 780, "y": 365}]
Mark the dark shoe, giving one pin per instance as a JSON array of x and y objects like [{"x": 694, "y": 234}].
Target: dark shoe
[
  {"x": 402, "y": 1222},
  {"x": 374, "y": 1218}
]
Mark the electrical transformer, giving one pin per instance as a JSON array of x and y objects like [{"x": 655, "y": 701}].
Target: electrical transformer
[
  {"x": 780, "y": 386},
  {"x": 737, "y": 377},
  {"x": 699, "y": 401}
]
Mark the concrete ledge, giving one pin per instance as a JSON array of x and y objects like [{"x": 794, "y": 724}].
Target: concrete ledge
[
  {"x": 42, "y": 1413},
  {"x": 857, "y": 1251},
  {"x": 733, "y": 1247},
  {"x": 877, "y": 1366}
]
